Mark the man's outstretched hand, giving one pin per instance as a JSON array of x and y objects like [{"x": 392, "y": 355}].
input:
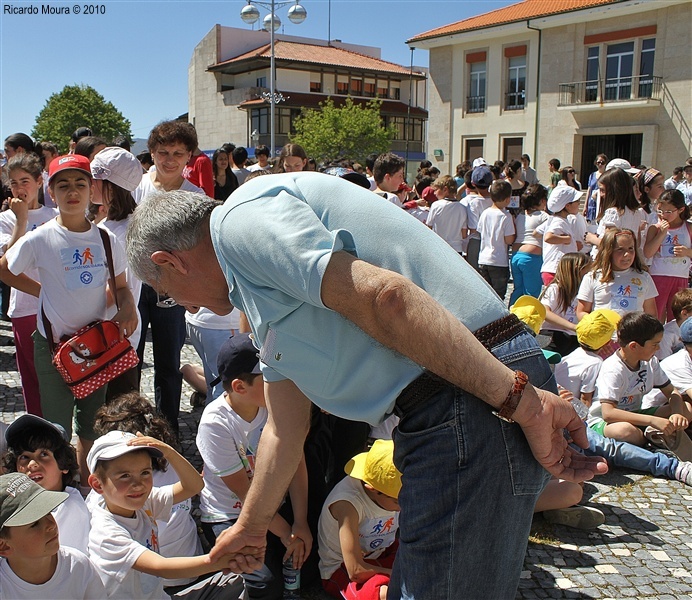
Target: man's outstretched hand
[{"x": 243, "y": 549}]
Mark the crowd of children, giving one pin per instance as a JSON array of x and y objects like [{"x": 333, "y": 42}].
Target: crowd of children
[{"x": 611, "y": 298}]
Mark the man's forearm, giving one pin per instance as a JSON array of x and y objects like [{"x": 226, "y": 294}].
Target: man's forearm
[{"x": 279, "y": 453}]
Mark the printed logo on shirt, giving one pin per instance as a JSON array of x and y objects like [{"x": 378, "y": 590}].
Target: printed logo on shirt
[
  {"x": 626, "y": 403},
  {"x": 625, "y": 296},
  {"x": 83, "y": 267}
]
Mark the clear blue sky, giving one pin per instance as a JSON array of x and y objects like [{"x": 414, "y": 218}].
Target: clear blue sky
[{"x": 137, "y": 54}]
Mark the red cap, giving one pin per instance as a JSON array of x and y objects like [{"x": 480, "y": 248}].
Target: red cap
[
  {"x": 404, "y": 188},
  {"x": 429, "y": 195},
  {"x": 69, "y": 161}
]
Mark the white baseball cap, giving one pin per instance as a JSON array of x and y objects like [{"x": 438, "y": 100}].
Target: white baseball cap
[
  {"x": 561, "y": 196},
  {"x": 119, "y": 166},
  {"x": 621, "y": 163},
  {"x": 114, "y": 444}
]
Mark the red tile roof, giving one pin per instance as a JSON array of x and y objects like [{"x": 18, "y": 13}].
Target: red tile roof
[
  {"x": 529, "y": 9},
  {"x": 319, "y": 55}
]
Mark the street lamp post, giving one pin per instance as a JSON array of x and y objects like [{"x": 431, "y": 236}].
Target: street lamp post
[{"x": 250, "y": 14}]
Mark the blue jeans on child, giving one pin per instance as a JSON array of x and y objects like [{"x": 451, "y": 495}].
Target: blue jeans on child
[
  {"x": 470, "y": 484},
  {"x": 526, "y": 275},
  {"x": 622, "y": 454}
]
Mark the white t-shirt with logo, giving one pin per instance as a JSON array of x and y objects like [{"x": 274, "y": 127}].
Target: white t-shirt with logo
[
  {"x": 115, "y": 544},
  {"x": 624, "y": 387},
  {"x": 75, "y": 578},
  {"x": 678, "y": 367},
  {"x": 551, "y": 299},
  {"x": 578, "y": 371},
  {"x": 73, "y": 273},
  {"x": 625, "y": 294},
  {"x": 227, "y": 443},
  {"x": 376, "y": 527},
  {"x": 21, "y": 304},
  {"x": 665, "y": 262}
]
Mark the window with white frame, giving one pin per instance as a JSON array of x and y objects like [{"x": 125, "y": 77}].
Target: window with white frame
[
  {"x": 476, "y": 96},
  {"x": 516, "y": 84}
]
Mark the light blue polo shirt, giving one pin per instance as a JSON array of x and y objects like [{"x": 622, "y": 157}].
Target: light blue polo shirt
[{"x": 274, "y": 238}]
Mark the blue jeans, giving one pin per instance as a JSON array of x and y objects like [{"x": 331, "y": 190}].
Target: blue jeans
[
  {"x": 526, "y": 274},
  {"x": 622, "y": 454},
  {"x": 208, "y": 342},
  {"x": 470, "y": 484}
]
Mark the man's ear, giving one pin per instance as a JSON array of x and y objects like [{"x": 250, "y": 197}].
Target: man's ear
[
  {"x": 95, "y": 484},
  {"x": 163, "y": 258}
]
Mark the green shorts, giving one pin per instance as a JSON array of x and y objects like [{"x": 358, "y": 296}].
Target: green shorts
[
  {"x": 58, "y": 405},
  {"x": 600, "y": 425}
]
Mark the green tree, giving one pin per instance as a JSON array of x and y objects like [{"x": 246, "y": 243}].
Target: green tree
[
  {"x": 77, "y": 106},
  {"x": 351, "y": 131}
]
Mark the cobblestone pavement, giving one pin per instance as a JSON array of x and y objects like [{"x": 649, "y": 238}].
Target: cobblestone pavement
[{"x": 642, "y": 551}]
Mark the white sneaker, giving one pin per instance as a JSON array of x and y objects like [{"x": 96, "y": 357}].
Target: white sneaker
[
  {"x": 580, "y": 517},
  {"x": 683, "y": 472}
]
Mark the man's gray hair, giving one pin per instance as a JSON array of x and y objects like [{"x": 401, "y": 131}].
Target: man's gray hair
[{"x": 168, "y": 221}]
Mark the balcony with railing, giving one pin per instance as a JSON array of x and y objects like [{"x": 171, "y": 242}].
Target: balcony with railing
[
  {"x": 636, "y": 90},
  {"x": 515, "y": 100},
  {"x": 475, "y": 104}
]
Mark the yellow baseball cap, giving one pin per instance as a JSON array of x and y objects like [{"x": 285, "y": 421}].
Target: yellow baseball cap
[
  {"x": 376, "y": 468},
  {"x": 597, "y": 328},
  {"x": 530, "y": 311}
]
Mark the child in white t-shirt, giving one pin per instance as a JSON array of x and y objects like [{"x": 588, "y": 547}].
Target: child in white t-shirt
[
  {"x": 124, "y": 540},
  {"x": 39, "y": 449},
  {"x": 358, "y": 526},
  {"x": 618, "y": 279},
  {"x": 25, "y": 214},
  {"x": 560, "y": 301},
  {"x": 72, "y": 287},
  {"x": 626, "y": 376},
  {"x": 178, "y": 534},
  {"x": 681, "y": 307},
  {"x": 227, "y": 439},
  {"x": 33, "y": 564},
  {"x": 496, "y": 228},
  {"x": 447, "y": 216},
  {"x": 577, "y": 372},
  {"x": 558, "y": 234}
]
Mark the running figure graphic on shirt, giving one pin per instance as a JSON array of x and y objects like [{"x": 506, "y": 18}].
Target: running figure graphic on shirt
[
  {"x": 87, "y": 256},
  {"x": 77, "y": 256}
]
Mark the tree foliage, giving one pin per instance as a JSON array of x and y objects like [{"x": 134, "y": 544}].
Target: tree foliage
[
  {"x": 351, "y": 131},
  {"x": 78, "y": 106}
]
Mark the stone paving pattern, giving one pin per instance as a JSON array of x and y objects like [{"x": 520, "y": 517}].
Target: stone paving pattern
[{"x": 642, "y": 551}]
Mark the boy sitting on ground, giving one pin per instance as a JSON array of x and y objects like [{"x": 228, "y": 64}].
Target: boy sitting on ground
[
  {"x": 33, "y": 563},
  {"x": 358, "y": 525},
  {"x": 626, "y": 376}
]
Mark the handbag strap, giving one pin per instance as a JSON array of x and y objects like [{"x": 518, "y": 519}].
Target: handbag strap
[
  {"x": 111, "y": 277},
  {"x": 109, "y": 262}
]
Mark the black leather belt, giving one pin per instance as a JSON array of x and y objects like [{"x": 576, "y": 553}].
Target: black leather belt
[{"x": 426, "y": 385}]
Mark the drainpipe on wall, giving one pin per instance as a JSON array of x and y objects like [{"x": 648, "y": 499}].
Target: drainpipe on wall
[{"x": 538, "y": 87}]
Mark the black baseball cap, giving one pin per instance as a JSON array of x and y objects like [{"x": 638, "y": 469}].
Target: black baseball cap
[
  {"x": 28, "y": 424},
  {"x": 237, "y": 355}
]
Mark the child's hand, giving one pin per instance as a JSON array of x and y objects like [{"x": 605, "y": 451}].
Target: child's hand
[
  {"x": 297, "y": 551},
  {"x": 679, "y": 421},
  {"x": 127, "y": 320},
  {"x": 663, "y": 225},
  {"x": 20, "y": 208},
  {"x": 681, "y": 251},
  {"x": 302, "y": 531},
  {"x": 145, "y": 440},
  {"x": 664, "y": 425}
]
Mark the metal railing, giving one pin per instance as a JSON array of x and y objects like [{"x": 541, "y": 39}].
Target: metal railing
[
  {"x": 515, "y": 100},
  {"x": 616, "y": 89},
  {"x": 475, "y": 104}
]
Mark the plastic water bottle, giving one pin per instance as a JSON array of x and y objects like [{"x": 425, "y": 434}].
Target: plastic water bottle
[{"x": 291, "y": 581}]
